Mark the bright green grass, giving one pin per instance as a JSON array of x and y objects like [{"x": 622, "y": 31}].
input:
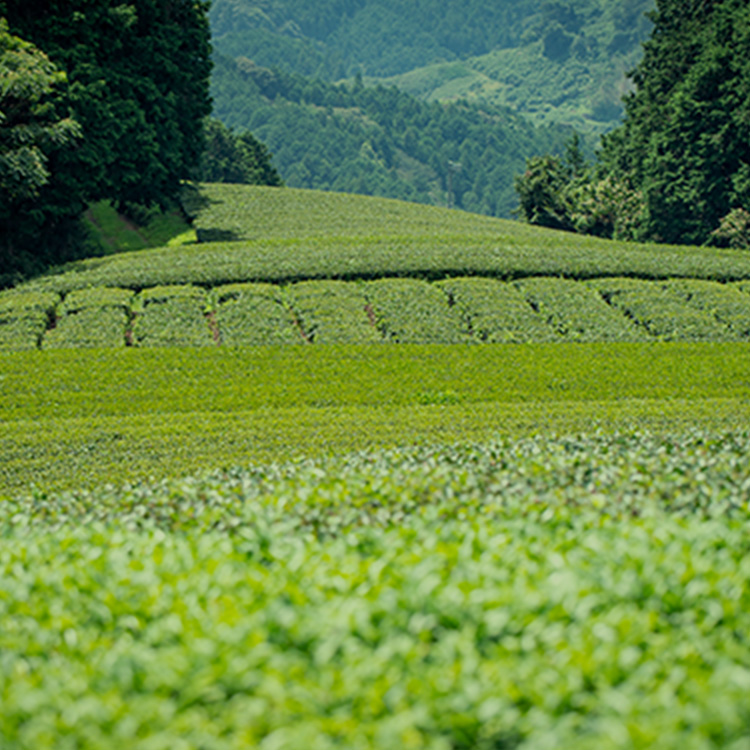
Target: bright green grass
[
  {"x": 70, "y": 418},
  {"x": 115, "y": 234}
]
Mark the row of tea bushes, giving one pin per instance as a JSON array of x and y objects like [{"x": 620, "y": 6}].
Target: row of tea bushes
[
  {"x": 97, "y": 317},
  {"x": 412, "y": 311},
  {"x": 577, "y": 312},
  {"x": 24, "y": 318},
  {"x": 496, "y": 313},
  {"x": 333, "y": 312},
  {"x": 404, "y": 310},
  {"x": 665, "y": 314}
]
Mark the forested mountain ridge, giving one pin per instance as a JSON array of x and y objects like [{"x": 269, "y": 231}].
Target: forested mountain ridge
[
  {"x": 553, "y": 61},
  {"x": 380, "y": 141}
]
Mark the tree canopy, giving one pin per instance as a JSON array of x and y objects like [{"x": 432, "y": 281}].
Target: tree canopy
[
  {"x": 30, "y": 131},
  {"x": 685, "y": 140},
  {"x": 380, "y": 141},
  {"x": 236, "y": 158},
  {"x": 137, "y": 81},
  {"x": 679, "y": 165},
  {"x": 28, "y": 125}
]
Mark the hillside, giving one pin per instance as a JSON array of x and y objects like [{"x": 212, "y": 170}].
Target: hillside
[
  {"x": 379, "y": 141},
  {"x": 355, "y": 472},
  {"x": 551, "y": 61},
  {"x": 289, "y": 266}
]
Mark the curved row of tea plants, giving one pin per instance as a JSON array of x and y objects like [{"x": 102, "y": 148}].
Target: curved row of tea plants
[
  {"x": 281, "y": 236},
  {"x": 580, "y": 592},
  {"x": 405, "y": 310}
]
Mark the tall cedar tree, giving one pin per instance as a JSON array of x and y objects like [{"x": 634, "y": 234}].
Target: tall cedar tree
[
  {"x": 685, "y": 140},
  {"x": 138, "y": 76}
]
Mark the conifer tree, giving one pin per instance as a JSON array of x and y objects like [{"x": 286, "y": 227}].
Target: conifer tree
[{"x": 685, "y": 140}]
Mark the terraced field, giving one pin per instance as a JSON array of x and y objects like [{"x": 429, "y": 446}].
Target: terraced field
[
  {"x": 210, "y": 538},
  {"x": 367, "y": 271}
]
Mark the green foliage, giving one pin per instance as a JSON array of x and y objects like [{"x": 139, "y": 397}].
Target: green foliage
[
  {"x": 24, "y": 317},
  {"x": 358, "y": 35},
  {"x": 454, "y": 49},
  {"x": 115, "y": 232},
  {"x": 574, "y": 592},
  {"x": 566, "y": 193},
  {"x": 733, "y": 230},
  {"x": 291, "y": 235},
  {"x": 723, "y": 301},
  {"x": 495, "y": 312},
  {"x": 91, "y": 318},
  {"x": 240, "y": 159},
  {"x": 254, "y": 314},
  {"x": 28, "y": 126},
  {"x": 70, "y": 418},
  {"x": 412, "y": 311},
  {"x": 378, "y": 141},
  {"x": 333, "y": 312},
  {"x": 576, "y": 312},
  {"x": 398, "y": 310},
  {"x": 542, "y": 192},
  {"x": 396, "y": 272},
  {"x": 137, "y": 82},
  {"x": 171, "y": 316},
  {"x": 684, "y": 141},
  {"x": 666, "y": 315},
  {"x": 31, "y": 131}
]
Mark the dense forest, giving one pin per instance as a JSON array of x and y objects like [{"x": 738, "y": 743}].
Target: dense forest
[
  {"x": 553, "y": 61},
  {"x": 99, "y": 101},
  {"x": 380, "y": 141},
  {"x": 678, "y": 169}
]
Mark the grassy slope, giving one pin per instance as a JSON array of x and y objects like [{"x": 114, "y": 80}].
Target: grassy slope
[
  {"x": 115, "y": 233},
  {"x": 255, "y": 234}
]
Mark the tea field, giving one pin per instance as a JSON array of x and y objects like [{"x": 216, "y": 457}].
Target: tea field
[
  {"x": 355, "y": 473},
  {"x": 305, "y": 267},
  {"x": 542, "y": 593}
]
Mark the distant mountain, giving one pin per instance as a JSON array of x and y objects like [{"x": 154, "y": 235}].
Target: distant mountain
[
  {"x": 380, "y": 141},
  {"x": 551, "y": 60}
]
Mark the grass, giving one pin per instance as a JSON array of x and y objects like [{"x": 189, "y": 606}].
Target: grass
[{"x": 115, "y": 233}]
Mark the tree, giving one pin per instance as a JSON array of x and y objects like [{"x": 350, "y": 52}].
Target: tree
[
  {"x": 29, "y": 132},
  {"x": 135, "y": 75},
  {"x": 138, "y": 74},
  {"x": 685, "y": 140},
  {"x": 235, "y": 158},
  {"x": 28, "y": 126}
]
